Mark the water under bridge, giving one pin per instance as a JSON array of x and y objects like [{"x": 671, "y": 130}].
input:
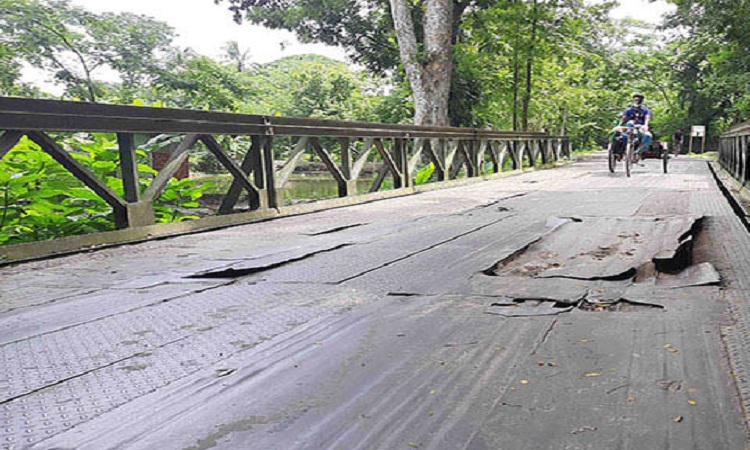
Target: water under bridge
[{"x": 568, "y": 308}]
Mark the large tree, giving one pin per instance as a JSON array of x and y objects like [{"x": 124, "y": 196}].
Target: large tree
[
  {"x": 712, "y": 65},
  {"x": 429, "y": 70},
  {"x": 377, "y": 34}
]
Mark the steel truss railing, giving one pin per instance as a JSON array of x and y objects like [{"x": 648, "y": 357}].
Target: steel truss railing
[
  {"x": 344, "y": 147},
  {"x": 734, "y": 152}
]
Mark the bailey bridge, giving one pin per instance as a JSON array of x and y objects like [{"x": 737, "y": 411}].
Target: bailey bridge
[{"x": 526, "y": 299}]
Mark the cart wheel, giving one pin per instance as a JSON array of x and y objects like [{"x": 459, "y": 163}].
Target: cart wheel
[{"x": 628, "y": 158}]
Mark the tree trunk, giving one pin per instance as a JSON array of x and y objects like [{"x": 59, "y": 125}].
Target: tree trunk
[
  {"x": 515, "y": 72},
  {"x": 515, "y": 86},
  {"x": 529, "y": 70},
  {"x": 429, "y": 73}
]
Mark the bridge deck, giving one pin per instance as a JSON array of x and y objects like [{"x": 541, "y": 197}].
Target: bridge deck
[{"x": 568, "y": 309}]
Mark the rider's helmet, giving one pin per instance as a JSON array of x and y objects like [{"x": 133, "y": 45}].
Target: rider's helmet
[{"x": 638, "y": 99}]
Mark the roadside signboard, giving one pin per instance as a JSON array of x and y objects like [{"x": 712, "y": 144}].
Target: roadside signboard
[{"x": 698, "y": 131}]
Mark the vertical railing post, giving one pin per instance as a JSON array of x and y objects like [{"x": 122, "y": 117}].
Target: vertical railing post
[
  {"x": 350, "y": 186},
  {"x": 496, "y": 155},
  {"x": 479, "y": 159},
  {"x": 274, "y": 198},
  {"x": 408, "y": 171},
  {"x": 746, "y": 152},
  {"x": 438, "y": 146},
  {"x": 741, "y": 159},
  {"x": 128, "y": 167},
  {"x": 470, "y": 151},
  {"x": 520, "y": 149},
  {"x": 396, "y": 152},
  {"x": 136, "y": 212}
]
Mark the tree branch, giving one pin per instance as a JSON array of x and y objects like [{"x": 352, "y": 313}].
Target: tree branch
[{"x": 66, "y": 42}]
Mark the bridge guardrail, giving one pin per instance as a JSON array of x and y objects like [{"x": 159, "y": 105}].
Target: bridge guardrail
[
  {"x": 734, "y": 152},
  {"x": 344, "y": 147}
]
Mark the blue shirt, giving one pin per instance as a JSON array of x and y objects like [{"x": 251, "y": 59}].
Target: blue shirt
[{"x": 637, "y": 115}]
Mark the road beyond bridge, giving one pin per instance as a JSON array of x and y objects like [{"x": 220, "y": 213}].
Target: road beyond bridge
[{"x": 558, "y": 309}]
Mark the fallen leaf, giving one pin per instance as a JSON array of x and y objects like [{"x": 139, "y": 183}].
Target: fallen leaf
[
  {"x": 673, "y": 350},
  {"x": 667, "y": 345},
  {"x": 584, "y": 340},
  {"x": 592, "y": 374},
  {"x": 692, "y": 402},
  {"x": 632, "y": 399},
  {"x": 318, "y": 343},
  {"x": 584, "y": 429},
  {"x": 552, "y": 364},
  {"x": 678, "y": 419},
  {"x": 433, "y": 392},
  {"x": 541, "y": 363},
  {"x": 524, "y": 381}
]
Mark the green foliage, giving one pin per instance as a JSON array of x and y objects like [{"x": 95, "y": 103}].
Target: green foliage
[
  {"x": 576, "y": 85},
  {"x": 424, "y": 174},
  {"x": 41, "y": 200},
  {"x": 563, "y": 66},
  {"x": 314, "y": 86},
  {"x": 178, "y": 199},
  {"x": 73, "y": 44},
  {"x": 198, "y": 82},
  {"x": 363, "y": 28},
  {"x": 299, "y": 86},
  {"x": 712, "y": 63}
]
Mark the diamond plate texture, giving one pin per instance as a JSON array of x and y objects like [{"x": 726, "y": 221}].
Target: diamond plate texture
[{"x": 51, "y": 382}]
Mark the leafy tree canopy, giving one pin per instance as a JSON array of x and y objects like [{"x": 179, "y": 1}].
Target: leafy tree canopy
[
  {"x": 75, "y": 44},
  {"x": 363, "y": 28}
]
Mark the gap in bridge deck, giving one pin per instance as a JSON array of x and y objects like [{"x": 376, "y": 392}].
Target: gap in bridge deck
[
  {"x": 599, "y": 264},
  {"x": 238, "y": 272}
]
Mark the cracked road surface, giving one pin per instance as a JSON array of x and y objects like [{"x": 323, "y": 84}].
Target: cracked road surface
[{"x": 559, "y": 309}]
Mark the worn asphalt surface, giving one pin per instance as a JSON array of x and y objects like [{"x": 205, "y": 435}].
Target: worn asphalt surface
[{"x": 561, "y": 309}]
